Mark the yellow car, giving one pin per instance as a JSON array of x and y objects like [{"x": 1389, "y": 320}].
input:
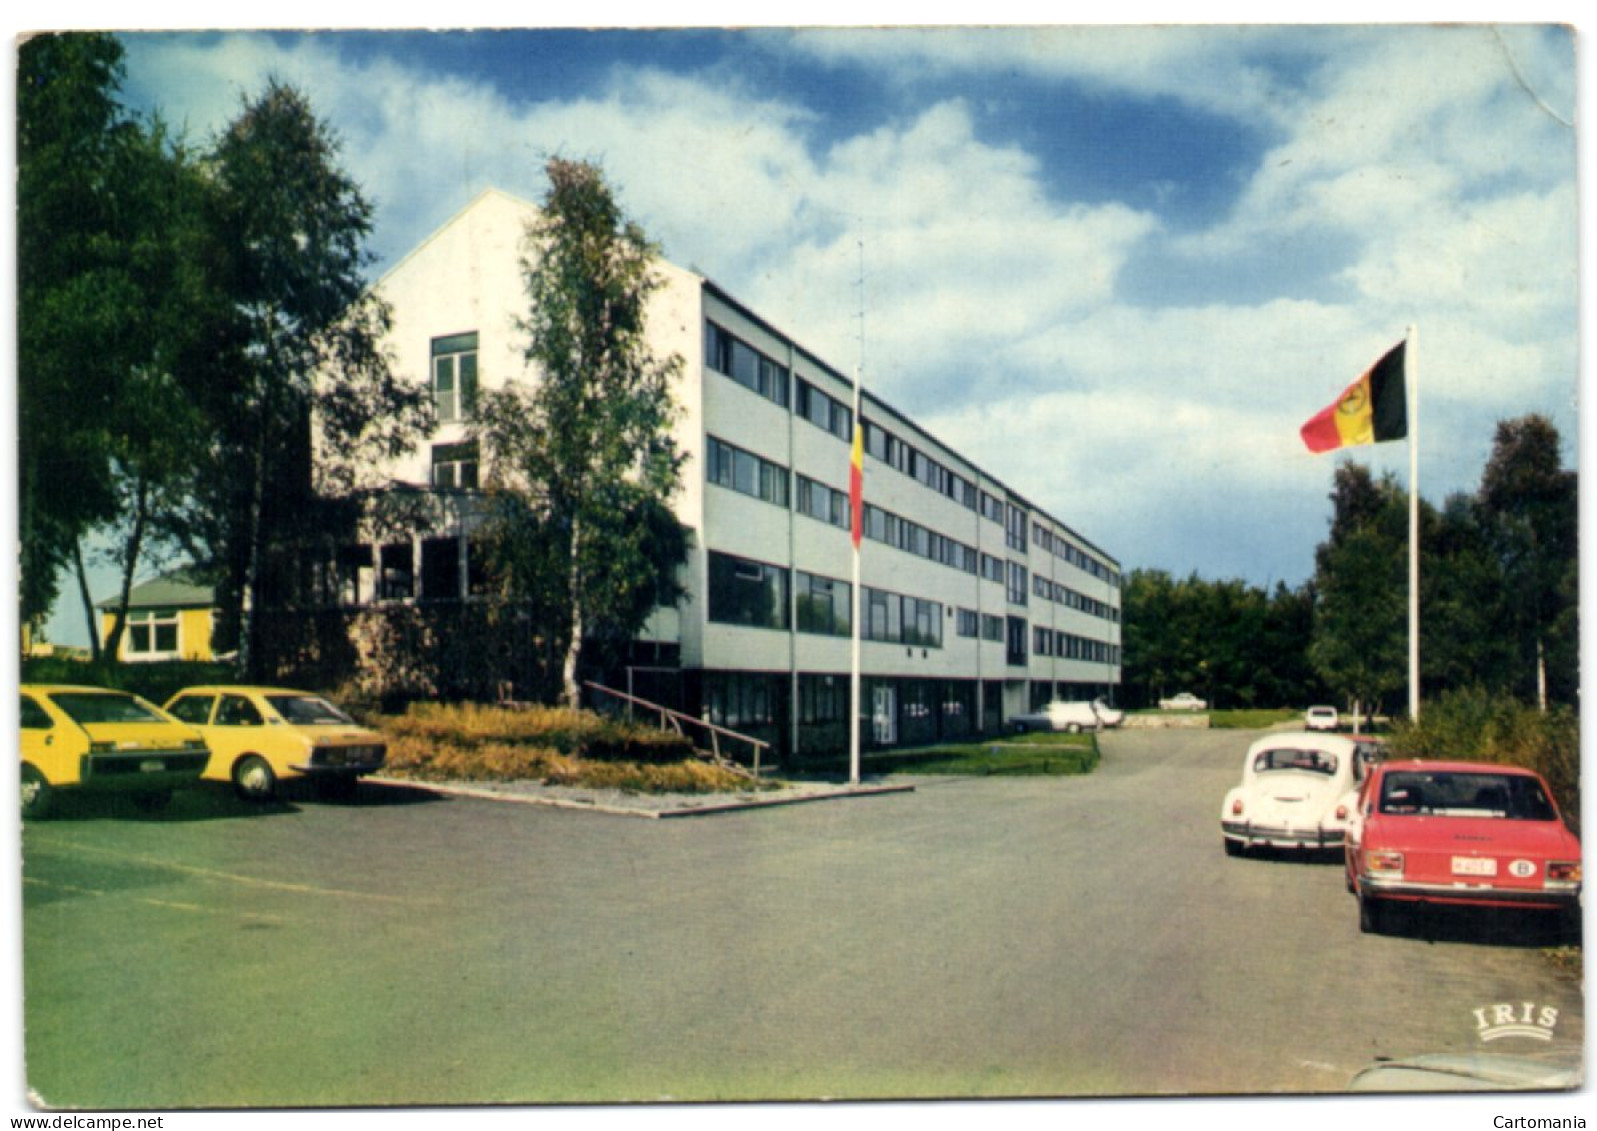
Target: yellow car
[
  {"x": 260, "y": 736},
  {"x": 92, "y": 738}
]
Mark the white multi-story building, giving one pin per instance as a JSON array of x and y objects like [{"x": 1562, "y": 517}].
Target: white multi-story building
[{"x": 976, "y": 604}]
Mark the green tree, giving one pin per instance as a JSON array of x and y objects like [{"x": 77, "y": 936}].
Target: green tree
[
  {"x": 580, "y": 463},
  {"x": 300, "y": 355},
  {"x": 1461, "y": 603},
  {"x": 1360, "y": 643},
  {"x": 1529, "y": 510},
  {"x": 75, "y": 301}
]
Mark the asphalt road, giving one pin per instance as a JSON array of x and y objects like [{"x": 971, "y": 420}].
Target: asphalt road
[{"x": 976, "y": 937}]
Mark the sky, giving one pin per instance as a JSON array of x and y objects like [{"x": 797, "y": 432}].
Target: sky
[{"x": 1117, "y": 267}]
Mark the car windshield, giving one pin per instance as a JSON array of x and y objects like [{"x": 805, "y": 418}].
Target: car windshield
[
  {"x": 1314, "y": 761},
  {"x": 88, "y": 707},
  {"x": 1511, "y": 796},
  {"x": 307, "y": 710}
]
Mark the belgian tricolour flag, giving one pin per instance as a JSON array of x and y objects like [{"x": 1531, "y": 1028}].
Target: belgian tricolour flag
[{"x": 1372, "y": 409}]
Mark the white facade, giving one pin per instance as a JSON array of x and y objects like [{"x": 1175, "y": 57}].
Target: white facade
[{"x": 463, "y": 288}]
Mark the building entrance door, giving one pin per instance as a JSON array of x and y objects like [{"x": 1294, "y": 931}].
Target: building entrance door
[{"x": 884, "y": 715}]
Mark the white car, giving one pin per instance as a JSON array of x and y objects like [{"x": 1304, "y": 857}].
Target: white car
[
  {"x": 1070, "y": 717},
  {"x": 1293, "y": 793},
  {"x": 1321, "y": 718},
  {"x": 1186, "y": 701}
]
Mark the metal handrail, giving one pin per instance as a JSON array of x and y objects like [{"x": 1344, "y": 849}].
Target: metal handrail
[{"x": 677, "y": 718}]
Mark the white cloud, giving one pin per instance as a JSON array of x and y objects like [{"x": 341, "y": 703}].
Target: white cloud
[{"x": 1430, "y": 161}]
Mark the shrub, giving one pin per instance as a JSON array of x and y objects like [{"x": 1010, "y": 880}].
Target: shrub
[
  {"x": 1474, "y": 726},
  {"x": 471, "y": 742},
  {"x": 156, "y": 682}
]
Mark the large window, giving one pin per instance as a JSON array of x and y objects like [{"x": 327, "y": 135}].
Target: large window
[
  {"x": 823, "y": 698},
  {"x": 968, "y": 623},
  {"x": 895, "y": 619},
  {"x": 396, "y": 581},
  {"x": 992, "y": 628},
  {"x": 740, "y": 700},
  {"x": 746, "y": 472},
  {"x": 152, "y": 632},
  {"x": 823, "y": 411},
  {"x": 825, "y": 606},
  {"x": 1016, "y": 644},
  {"x": 747, "y": 592},
  {"x": 1017, "y": 583},
  {"x": 825, "y": 503},
  {"x": 455, "y": 376},
  {"x": 1015, "y": 528},
  {"x": 726, "y": 353},
  {"x": 455, "y": 466},
  {"x": 440, "y": 569}
]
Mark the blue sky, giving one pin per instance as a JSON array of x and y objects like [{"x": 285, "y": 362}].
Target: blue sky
[{"x": 1119, "y": 267}]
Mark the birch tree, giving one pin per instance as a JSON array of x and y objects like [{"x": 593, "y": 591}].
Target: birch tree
[{"x": 580, "y": 463}]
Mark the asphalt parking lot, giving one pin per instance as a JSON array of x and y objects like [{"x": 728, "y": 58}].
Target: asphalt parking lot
[{"x": 974, "y": 937}]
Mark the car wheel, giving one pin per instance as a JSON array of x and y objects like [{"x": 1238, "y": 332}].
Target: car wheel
[
  {"x": 38, "y": 798},
  {"x": 152, "y": 802},
  {"x": 253, "y": 779},
  {"x": 1372, "y": 915},
  {"x": 1232, "y": 847},
  {"x": 1073, "y": 728}
]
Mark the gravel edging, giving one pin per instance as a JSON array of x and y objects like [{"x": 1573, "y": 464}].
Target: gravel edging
[{"x": 653, "y": 806}]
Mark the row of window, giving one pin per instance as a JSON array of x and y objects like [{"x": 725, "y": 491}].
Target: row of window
[
  {"x": 455, "y": 466},
  {"x": 755, "y": 594},
  {"x": 1066, "y": 646},
  {"x": 1071, "y": 598},
  {"x": 1062, "y": 548},
  {"x": 916, "y": 464},
  {"x": 901, "y": 533},
  {"x": 759, "y": 478},
  {"x": 402, "y": 571}
]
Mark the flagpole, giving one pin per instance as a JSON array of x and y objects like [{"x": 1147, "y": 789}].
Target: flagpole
[
  {"x": 856, "y": 522},
  {"x": 1411, "y": 369},
  {"x": 854, "y": 661}
]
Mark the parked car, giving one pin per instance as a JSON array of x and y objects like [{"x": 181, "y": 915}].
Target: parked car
[
  {"x": 94, "y": 739},
  {"x": 1321, "y": 718},
  {"x": 1371, "y": 749},
  {"x": 1464, "y": 833},
  {"x": 260, "y": 736},
  {"x": 1072, "y": 717},
  {"x": 1185, "y": 701},
  {"x": 1292, "y": 786}
]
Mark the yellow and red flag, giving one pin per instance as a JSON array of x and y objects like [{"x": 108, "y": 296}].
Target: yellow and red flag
[
  {"x": 856, "y": 482},
  {"x": 1370, "y": 411}
]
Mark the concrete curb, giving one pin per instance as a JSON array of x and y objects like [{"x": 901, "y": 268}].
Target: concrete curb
[{"x": 710, "y": 809}]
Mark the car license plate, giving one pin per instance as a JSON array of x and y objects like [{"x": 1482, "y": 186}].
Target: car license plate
[
  {"x": 151, "y": 766},
  {"x": 1474, "y": 866}
]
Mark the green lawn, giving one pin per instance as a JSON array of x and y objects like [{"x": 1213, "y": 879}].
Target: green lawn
[{"x": 1036, "y": 753}]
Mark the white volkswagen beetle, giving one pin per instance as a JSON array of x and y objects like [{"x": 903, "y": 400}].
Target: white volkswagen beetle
[{"x": 1292, "y": 793}]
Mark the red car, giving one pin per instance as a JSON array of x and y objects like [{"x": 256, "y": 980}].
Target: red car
[{"x": 1466, "y": 833}]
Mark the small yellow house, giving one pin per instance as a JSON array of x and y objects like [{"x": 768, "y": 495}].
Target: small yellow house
[{"x": 169, "y": 618}]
